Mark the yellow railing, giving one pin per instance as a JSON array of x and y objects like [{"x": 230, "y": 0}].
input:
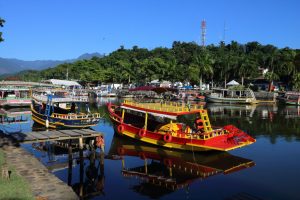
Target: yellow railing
[
  {"x": 206, "y": 136},
  {"x": 75, "y": 116},
  {"x": 166, "y": 106}
]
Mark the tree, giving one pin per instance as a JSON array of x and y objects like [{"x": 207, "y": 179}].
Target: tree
[
  {"x": 247, "y": 66},
  {"x": 202, "y": 66},
  {"x": 296, "y": 81},
  {"x": 271, "y": 76}
]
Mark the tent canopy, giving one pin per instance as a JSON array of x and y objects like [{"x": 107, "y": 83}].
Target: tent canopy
[{"x": 233, "y": 82}]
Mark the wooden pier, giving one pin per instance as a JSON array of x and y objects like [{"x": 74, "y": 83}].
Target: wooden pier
[{"x": 54, "y": 135}]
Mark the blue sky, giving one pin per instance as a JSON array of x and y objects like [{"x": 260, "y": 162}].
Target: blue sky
[{"x": 64, "y": 29}]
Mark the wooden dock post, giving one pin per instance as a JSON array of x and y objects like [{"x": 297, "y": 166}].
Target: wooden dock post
[
  {"x": 80, "y": 143},
  {"x": 70, "y": 163},
  {"x": 81, "y": 169}
]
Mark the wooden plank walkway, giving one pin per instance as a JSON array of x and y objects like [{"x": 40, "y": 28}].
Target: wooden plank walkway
[{"x": 54, "y": 135}]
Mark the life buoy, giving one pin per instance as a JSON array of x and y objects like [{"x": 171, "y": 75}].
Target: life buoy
[
  {"x": 167, "y": 137},
  {"x": 120, "y": 128},
  {"x": 198, "y": 121},
  {"x": 142, "y": 132},
  {"x": 121, "y": 151},
  {"x": 99, "y": 141}
]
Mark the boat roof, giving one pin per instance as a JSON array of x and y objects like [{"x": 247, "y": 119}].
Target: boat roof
[
  {"x": 158, "y": 90},
  {"x": 59, "y": 99},
  {"x": 231, "y": 89},
  {"x": 169, "y": 110}
]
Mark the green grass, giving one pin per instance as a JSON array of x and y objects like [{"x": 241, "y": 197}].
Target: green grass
[{"x": 15, "y": 188}]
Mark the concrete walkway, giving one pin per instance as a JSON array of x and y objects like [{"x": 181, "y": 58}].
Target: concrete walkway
[{"x": 44, "y": 185}]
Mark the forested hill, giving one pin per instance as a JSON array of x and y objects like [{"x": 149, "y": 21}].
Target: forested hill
[
  {"x": 183, "y": 62},
  {"x": 8, "y": 66}
]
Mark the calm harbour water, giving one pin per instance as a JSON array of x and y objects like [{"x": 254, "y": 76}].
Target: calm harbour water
[{"x": 267, "y": 169}]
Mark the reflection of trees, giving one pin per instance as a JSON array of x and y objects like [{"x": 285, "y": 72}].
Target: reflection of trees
[{"x": 283, "y": 122}]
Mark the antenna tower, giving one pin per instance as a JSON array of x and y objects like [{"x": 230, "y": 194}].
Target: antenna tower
[{"x": 203, "y": 32}]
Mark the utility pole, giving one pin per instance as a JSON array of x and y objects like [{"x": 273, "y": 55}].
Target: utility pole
[
  {"x": 67, "y": 73},
  {"x": 203, "y": 32}
]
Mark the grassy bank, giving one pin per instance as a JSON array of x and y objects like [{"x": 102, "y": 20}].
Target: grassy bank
[{"x": 16, "y": 187}]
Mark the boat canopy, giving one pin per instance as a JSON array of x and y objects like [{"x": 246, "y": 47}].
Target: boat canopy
[
  {"x": 59, "y": 99},
  {"x": 169, "y": 110}
]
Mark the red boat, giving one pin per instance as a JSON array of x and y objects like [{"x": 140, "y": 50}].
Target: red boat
[{"x": 157, "y": 123}]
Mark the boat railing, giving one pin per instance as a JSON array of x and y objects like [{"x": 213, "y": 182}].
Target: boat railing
[
  {"x": 13, "y": 98},
  {"x": 206, "y": 135},
  {"x": 166, "y": 106},
  {"x": 76, "y": 116}
]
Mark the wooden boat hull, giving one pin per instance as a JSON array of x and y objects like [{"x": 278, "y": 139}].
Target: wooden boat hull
[
  {"x": 215, "y": 141},
  {"x": 213, "y": 99},
  {"x": 55, "y": 122}
]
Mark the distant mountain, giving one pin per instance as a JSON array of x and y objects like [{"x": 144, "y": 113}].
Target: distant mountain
[
  {"x": 89, "y": 56},
  {"x": 12, "y": 65}
]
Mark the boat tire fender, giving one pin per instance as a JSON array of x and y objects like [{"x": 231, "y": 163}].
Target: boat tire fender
[
  {"x": 168, "y": 137},
  {"x": 142, "y": 132},
  {"x": 120, "y": 128}
]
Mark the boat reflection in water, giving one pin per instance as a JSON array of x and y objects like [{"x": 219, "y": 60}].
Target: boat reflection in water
[
  {"x": 88, "y": 163},
  {"x": 14, "y": 120},
  {"x": 14, "y": 115},
  {"x": 163, "y": 171}
]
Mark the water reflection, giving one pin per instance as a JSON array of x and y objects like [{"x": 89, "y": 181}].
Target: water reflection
[
  {"x": 14, "y": 120},
  {"x": 164, "y": 171},
  {"x": 87, "y": 164},
  {"x": 272, "y": 120},
  {"x": 139, "y": 171}
]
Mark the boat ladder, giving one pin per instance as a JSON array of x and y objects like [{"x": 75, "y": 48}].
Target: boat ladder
[
  {"x": 48, "y": 105},
  {"x": 205, "y": 121}
]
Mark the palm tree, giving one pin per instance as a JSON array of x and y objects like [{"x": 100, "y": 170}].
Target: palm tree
[
  {"x": 248, "y": 66},
  {"x": 296, "y": 81},
  {"x": 202, "y": 65},
  {"x": 271, "y": 76}
]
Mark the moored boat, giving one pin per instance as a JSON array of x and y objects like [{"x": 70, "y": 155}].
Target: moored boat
[
  {"x": 232, "y": 96},
  {"x": 46, "y": 110},
  {"x": 157, "y": 123},
  {"x": 14, "y": 97},
  {"x": 290, "y": 98}
]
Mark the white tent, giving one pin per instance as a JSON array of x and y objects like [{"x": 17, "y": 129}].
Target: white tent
[
  {"x": 155, "y": 81},
  {"x": 65, "y": 83},
  {"x": 233, "y": 82}
]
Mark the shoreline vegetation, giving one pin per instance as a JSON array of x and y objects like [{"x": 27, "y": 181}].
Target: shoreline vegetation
[
  {"x": 184, "y": 61},
  {"x": 16, "y": 187}
]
